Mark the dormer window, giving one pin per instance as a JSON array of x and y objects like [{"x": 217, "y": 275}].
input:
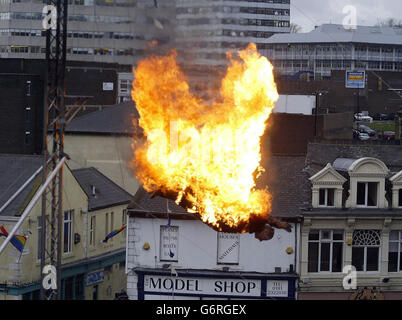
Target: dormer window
[
  {"x": 396, "y": 181},
  {"x": 367, "y": 194},
  {"x": 327, "y": 197},
  {"x": 327, "y": 188}
]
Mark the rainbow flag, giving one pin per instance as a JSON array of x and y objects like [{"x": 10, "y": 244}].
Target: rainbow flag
[
  {"x": 17, "y": 241},
  {"x": 113, "y": 233}
]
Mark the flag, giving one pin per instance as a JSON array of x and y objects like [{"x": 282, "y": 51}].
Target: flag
[
  {"x": 113, "y": 233},
  {"x": 17, "y": 241}
]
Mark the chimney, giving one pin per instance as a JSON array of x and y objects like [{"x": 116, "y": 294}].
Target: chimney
[{"x": 93, "y": 190}]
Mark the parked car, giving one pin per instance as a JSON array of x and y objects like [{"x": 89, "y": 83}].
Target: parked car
[
  {"x": 363, "y": 136},
  {"x": 366, "y": 129},
  {"x": 391, "y": 116},
  {"x": 362, "y": 117},
  {"x": 380, "y": 116},
  {"x": 387, "y": 135}
]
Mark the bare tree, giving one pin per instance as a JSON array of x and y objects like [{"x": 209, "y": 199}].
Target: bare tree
[
  {"x": 295, "y": 28},
  {"x": 390, "y": 22}
]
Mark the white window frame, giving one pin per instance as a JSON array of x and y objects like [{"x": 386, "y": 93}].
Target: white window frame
[
  {"x": 326, "y": 198},
  {"x": 399, "y": 242},
  {"x": 69, "y": 222},
  {"x": 39, "y": 232},
  {"x": 366, "y": 194},
  {"x": 92, "y": 229},
  {"x": 330, "y": 241},
  {"x": 365, "y": 254},
  {"x": 399, "y": 197}
]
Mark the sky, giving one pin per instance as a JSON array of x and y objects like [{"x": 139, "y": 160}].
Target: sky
[{"x": 309, "y": 13}]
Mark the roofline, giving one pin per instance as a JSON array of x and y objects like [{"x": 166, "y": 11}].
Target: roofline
[
  {"x": 109, "y": 206},
  {"x": 187, "y": 216}
]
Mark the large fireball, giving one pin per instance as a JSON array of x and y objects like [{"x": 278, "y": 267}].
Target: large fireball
[{"x": 206, "y": 156}]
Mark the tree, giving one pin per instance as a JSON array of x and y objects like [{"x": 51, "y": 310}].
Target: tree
[
  {"x": 295, "y": 28},
  {"x": 390, "y": 22}
]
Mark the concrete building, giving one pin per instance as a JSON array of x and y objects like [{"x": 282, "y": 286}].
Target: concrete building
[
  {"x": 331, "y": 47},
  {"x": 98, "y": 30},
  {"x": 103, "y": 139},
  {"x": 93, "y": 206},
  {"x": 172, "y": 254},
  {"x": 353, "y": 218},
  {"x": 207, "y": 29}
]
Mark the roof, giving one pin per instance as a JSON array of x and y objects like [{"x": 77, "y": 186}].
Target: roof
[
  {"x": 321, "y": 153},
  {"x": 110, "y": 120},
  {"x": 15, "y": 170},
  {"x": 287, "y": 182},
  {"x": 284, "y": 178},
  {"x": 343, "y": 164},
  {"x": 332, "y": 33},
  {"x": 107, "y": 193}
]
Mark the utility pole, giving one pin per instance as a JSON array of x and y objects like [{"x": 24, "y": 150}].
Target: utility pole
[{"x": 54, "y": 125}]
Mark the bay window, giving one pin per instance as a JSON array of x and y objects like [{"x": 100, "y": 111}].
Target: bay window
[
  {"x": 366, "y": 250},
  {"x": 394, "y": 252},
  {"x": 325, "y": 251}
]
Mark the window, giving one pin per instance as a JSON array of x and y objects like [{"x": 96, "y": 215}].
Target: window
[
  {"x": 107, "y": 224},
  {"x": 325, "y": 251},
  {"x": 111, "y": 223},
  {"x": 123, "y": 222},
  {"x": 400, "y": 198},
  {"x": 366, "y": 250},
  {"x": 327, "y": 197},
  {"x": 92, "y": 231},
  {"x": 394, "y": 253},
  {"x": 28, "y": 114},
  {"x": 68, "y": 231},
  {"x": 367, "y": 194},
  {"x": 39, "y": 252}
]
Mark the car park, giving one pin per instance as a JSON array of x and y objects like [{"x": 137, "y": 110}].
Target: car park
[
  {"x": 387, "y": 135},
  {"x": 366, "y": 129},
  {"x": 380, "y": 117},
  {"x": 362, "y": 117},
  {"x": 363, "y": 136}
]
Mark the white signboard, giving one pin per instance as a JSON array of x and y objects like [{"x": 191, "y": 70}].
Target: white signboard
[
  {"x": 277, "y": 288},
  {"x": 169, "y": 243},
  {"x": 202, "y": 286},
  {"x": 107, "y": 86},
  {"x": 228, "y": 248},
  {"x": 295, "y": 104},
  {"x": 355, "y": 79},
  {"x": 95, "y": 277}
]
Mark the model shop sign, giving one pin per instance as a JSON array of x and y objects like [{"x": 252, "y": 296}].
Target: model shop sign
[{"x": 207, "y": 286}]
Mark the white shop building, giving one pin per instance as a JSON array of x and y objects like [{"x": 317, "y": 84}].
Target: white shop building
[{"x": 172, "y": 255}]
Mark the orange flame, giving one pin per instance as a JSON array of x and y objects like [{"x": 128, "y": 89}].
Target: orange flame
[{"x": 207, "y": 156}]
